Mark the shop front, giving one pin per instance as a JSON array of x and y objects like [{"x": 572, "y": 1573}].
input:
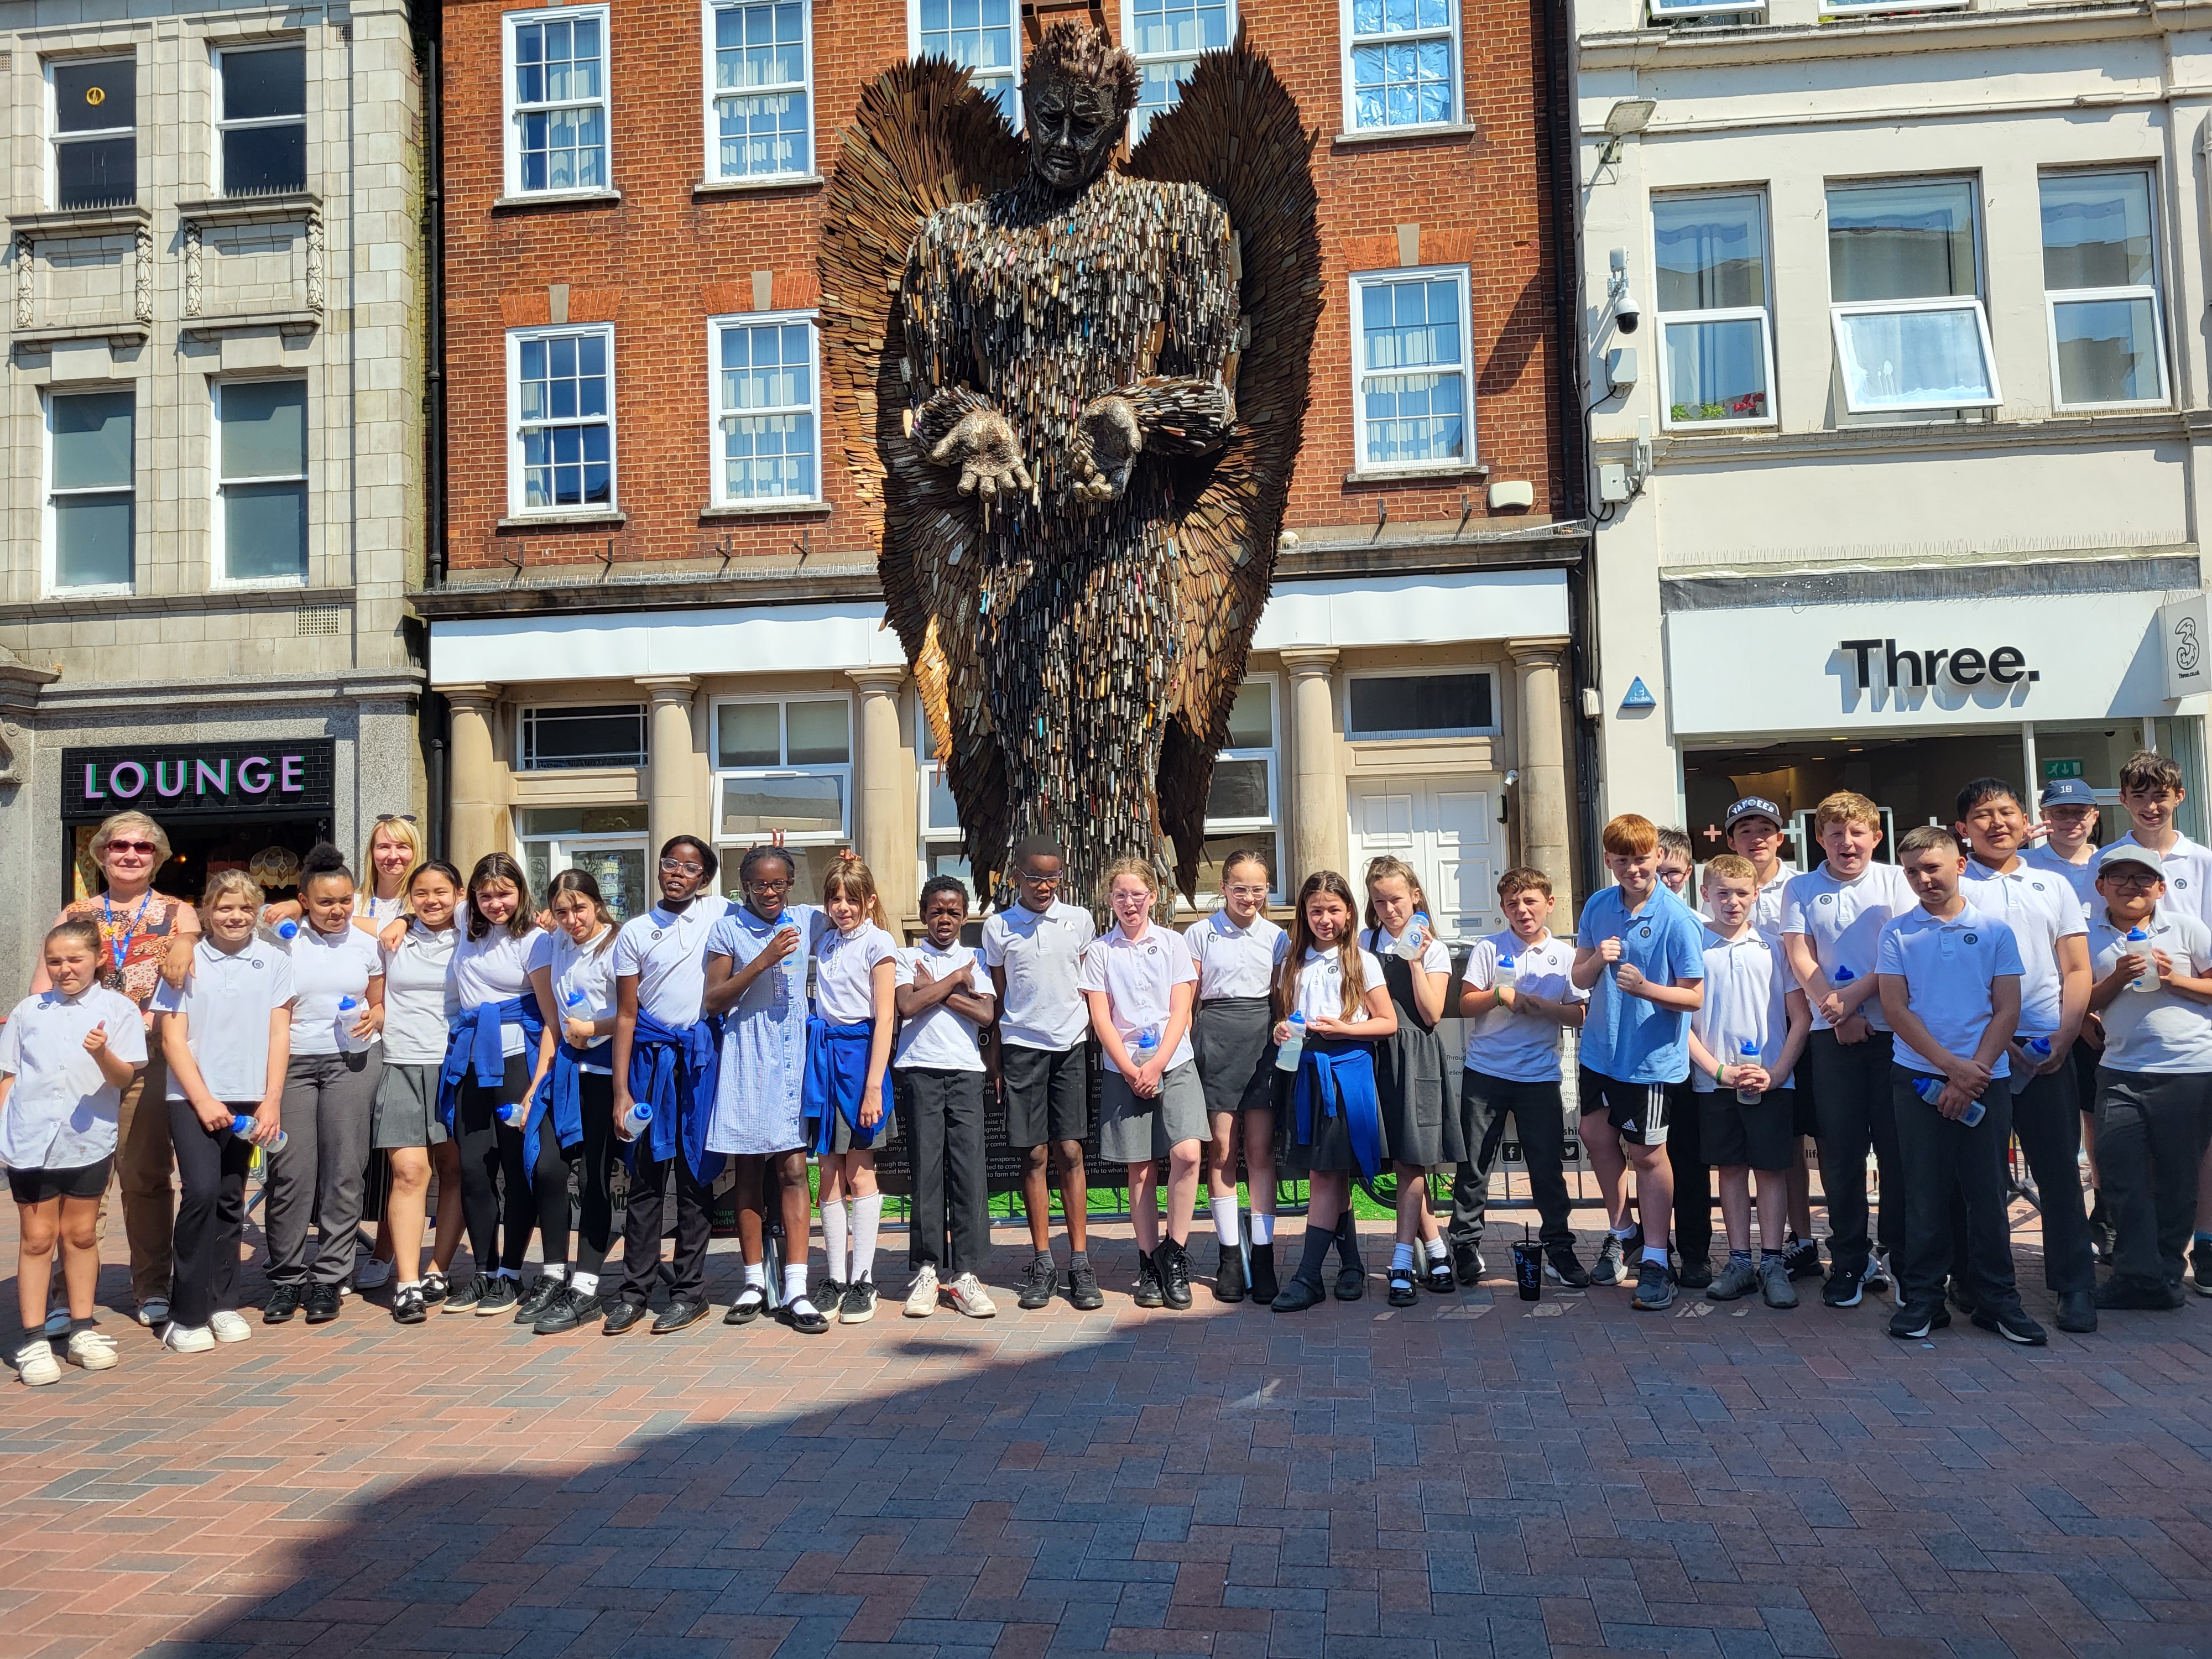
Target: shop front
[{"x": 1905, "y": 700}]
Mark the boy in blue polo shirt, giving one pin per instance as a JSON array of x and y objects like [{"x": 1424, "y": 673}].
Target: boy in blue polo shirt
[{"x": 1641, "y": 955}]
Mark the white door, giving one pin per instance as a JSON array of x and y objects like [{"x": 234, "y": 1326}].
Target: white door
[{"x": 1448, "y": 831}]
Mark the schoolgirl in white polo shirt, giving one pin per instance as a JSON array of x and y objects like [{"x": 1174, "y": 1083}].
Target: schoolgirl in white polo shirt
[
  {"x": 65, "y": 1055},
  {"x": 420, "y": 1002},
  {"x": 848, "y": 1051},
  {"x": 1140, "y": 981},
  {"x": 226, "y": 1035}
]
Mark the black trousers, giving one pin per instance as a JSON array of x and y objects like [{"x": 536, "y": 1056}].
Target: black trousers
[
  {"x": 496, "y": 1187},
  {"x": 592, "y": 1163},
  {"x": 1693, "y": 1179},
  {"x": 1539, "y": 1115},
  {"x": 944, "y": 1143},
  {"x": 1854, "y": 1093},
  {"x": 2046, "y": 1118},
  {"x": 1941, "y": 1156},
  {"x": 210, "y": 1214},
  {"x": 649, "y": 1186},
  {"x": 2151, "y": 1130}
]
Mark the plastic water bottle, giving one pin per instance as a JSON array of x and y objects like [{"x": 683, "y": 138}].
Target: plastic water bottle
[
  {"x": 2039, "y": 1047},
  {"x": 2139, "y": 944},
  {"x": 288, "y": 930},
  {"x": 1842, "y": 976},
  {"x": 1505, "y": 976},
  {"x": 635, "y": 1120},
  {"x": 1416, "y": 929},
  {"x": 1286, "y": 1057},
  {"x": 242, "y": 1126},
  {"x": 349, "y": 1012},
  {"x": 515, "y": 1116},
  {"x": 1148, "y": 1044},
  {"x": 1750, "y": 1053},
  {"x": 1930, "y": 1089}
]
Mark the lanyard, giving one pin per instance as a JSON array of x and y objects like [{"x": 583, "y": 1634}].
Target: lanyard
[{"x": 121, "y": 947}]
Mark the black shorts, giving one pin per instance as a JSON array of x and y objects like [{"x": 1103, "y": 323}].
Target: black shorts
[
  {"x": 1048, "y": 1094},
  {"x": 1637, "y": 1111},
  {"x": 1759, "y": 1136},
  {"x": 38, "y": 1185}
]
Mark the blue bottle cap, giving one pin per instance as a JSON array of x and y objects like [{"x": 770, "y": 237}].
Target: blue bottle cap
[
  {"x": 345, "y": 1003},
  {"x": 287, "y": 928},
  {"x": 1842, "y": 976}
]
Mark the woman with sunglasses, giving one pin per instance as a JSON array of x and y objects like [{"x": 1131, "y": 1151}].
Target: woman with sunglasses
[{"x": 145, "y": 938}]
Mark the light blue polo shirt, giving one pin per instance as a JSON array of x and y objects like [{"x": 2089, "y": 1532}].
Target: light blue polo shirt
[
  {"x": 1947, "y": 967},
  {"x": 1629, "y": 1038}
]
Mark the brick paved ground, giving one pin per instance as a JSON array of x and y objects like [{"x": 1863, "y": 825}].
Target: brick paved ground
[{"x": 1467, "y": 1478}]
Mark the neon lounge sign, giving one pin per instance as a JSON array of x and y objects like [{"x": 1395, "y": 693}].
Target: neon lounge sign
[{"x": 187, "y": 780}]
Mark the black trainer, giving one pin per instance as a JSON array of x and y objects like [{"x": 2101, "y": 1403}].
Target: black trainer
[
  {"x": 500, "y": 1295},
  {"x": 1039, "y": 1280},
  {"x": 1467, "y": 1265},
  {"x": 1172, "y": 1264},
  {"x": 2200, "y": 1272},
  {"x": 1561, "y": 1265},
  {"x": 1654, "y": 1287},
  {"x": 1265, "y": 1285},
  {"x": 1229, "y": 1284},
  {"x": 2077, "y": 1312},
  {"x": 1916, "y": 1319},
  {"x": 434, "y": 1289},
  {"x": 463, "y": 1299},
  {"x": 1083, "y": 1291},
  {"x": 283, "y": 1301},
  {"x": 1843, "y": 1289},
  {"x": 323, "y": 1302},
  {"x": 1802, "y": 1258},
  {"x": 542, "y": 1290},
  {"x": 565, "y": 1310},
  {"x": 1149, "y": 1293},
  {"x": 1695, "y": 1274},
  {"x": 2148, "y": 1296},
  {"x": 2013, "y": 1324}
]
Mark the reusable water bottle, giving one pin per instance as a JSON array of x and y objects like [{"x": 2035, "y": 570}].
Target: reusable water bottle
[
  {"x": 2139, "y": 944},
  {"x": 1841, "y": 977},
  {"x": 349, "y": 1012},
  {"x": 242, "y": 1126},
  {"x": 288, "y": 929},
  {"x": 1417, "y": 928},
  {"x": 2039, "y": 1047},
  {"x": 1504, "y": 976},
  {"x": 1930, "y": 1089},
  {"x": 516, "y": 1116},
  {"x": 635, "y": 1121},
  {"x": 1750, "y": 1053},
  {"x": 1286, "y": 1057},
  {"x": 1147, "y": 1045}
]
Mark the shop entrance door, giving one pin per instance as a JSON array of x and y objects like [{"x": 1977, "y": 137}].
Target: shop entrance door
[
  {"x": 617, "y": 863},
  {"x": 1448, "y": 831}
]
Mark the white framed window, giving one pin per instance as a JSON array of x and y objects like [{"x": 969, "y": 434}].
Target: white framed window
[
  {"x": 2100, "y": 288},
  {"x": 261, "y": 119},
  {"x": 561, "y": 409},
  {"x": 1411, "y": 379},
  {"x": 1401, "y": 65},
  {"x": 92, "y": 117},
  {"x": 1661, "y": 10},
  {"x": 942, "y": 853},
  {"x": 556, "y": 88},
  {"x": 567, "y": 737},
  {"x": 91, "y": 490},
  {"x": 609, "y": 842},
  {"x": 783, "y": 772},
  {"x": 1243, "y": 808},
  {"x": 1865, "y": 7},
  {"x": 261, "y": 480},
  {"x": 1167, "y": 37},
  {"x": 767, "y": 408},
  {"x": 1905, "y": 297},
  {"x": 1716, "y": 334},
  {"x": 1421, "y": 703},
  {"x": 760, "y": 68},
  {"x": 982, "y": 36}
]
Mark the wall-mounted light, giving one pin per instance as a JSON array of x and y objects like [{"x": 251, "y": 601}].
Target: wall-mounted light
[{"x": 1626, "y": 116}]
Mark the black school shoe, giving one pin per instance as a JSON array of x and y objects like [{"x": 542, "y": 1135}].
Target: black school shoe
[
  {"x": 2200, "y": 1273},
  {"x": 407, "y": 1306},
  {"x": 751, "y": 1304},
  {"x": 1352, "y": 1284},
  {"x": 1467, "y": 1265},
  {"x": 323, "y": 1302},
  {"x": 1149, "y": 1293},
  {"x": 1916, "y": 1319},
  {"x": 1297, "y": 1296},
  {"x": 1083, "y": 1291},
  {"x": 434, "y": 1289},
  {"x": 810, "y": 1323},
  {"x": 283, "y": 1301},
  {"x": 622, "y": 1315},
  {"x": 543, "y": 1290},
  {"x": 500, "y": 1295},
  {"x": 1402, "y": 1288},
  {"x": 1265, "y": 1285},
  {"x": 681, "y": 1312},
  {"x": 2140, "y": 1295},
  {"x": 1695, "y": 1274},
  {"x": 1229, "y": 1284},
  {"x": 1440, "y": 1280},
  {"x": 1171, "y": 1261},
  {"x": 2013, "y": 1324},
  {"x": 1039, "y": 1280},
  {"x": 2077, "y": 1312}
]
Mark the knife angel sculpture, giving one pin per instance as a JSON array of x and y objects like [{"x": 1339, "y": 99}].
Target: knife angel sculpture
[{"x": 1077, "y": 390}]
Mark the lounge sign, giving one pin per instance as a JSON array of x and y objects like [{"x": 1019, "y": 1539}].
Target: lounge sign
[{"x": 201, "y": 779}]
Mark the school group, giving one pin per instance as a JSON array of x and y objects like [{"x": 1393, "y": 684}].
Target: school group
[{"x": 517, "y": 1044}]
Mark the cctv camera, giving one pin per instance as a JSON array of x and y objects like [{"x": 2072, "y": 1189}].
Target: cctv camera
[{"x": 1626, "y": 313}]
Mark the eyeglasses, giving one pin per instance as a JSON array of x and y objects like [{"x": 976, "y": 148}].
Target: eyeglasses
[
  {"x": 2131, "y": 878},
  {"x": 677, "y": 868},
  {"x": 143, "y": 848},
  {"x": 758, "y": 886},
  {"x": 1028, "y": 880},
  {"x": 1260, "y": 891},
  {"x": 395, "y": 817}
]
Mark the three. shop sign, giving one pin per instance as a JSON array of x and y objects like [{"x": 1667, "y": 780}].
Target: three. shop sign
[{"x": 201, "y": 779}]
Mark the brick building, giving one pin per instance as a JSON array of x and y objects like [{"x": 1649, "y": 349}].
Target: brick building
[{"x": 656, "y": 605}]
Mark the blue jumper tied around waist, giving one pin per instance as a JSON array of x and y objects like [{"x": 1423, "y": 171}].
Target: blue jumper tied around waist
[
  {"x": 673, "y": 1070},
  {"x": 560, "y": 1096},
  {"x": 1339, "y": 1075},
  {"x": 836, "y": 1079},
  {"x": 474, "y": 1050}
]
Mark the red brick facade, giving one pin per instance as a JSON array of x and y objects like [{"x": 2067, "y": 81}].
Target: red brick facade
[{"x": 661, "y": 260}]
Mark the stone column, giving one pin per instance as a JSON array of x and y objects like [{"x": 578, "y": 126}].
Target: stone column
[
  {"x": 478, "y": 808},
  {"x": 1547, "y": 788},
  {"x": 888, "y": 830},
  {"x": 672, "y": 799},
  {"x": 1317, "y": 834}
]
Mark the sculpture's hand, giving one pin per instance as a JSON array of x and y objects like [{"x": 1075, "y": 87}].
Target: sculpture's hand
[
  {"x": 1107, "y": 440},
  {"x": 982, "y": 446}
]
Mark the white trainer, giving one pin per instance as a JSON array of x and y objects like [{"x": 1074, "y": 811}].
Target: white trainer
[
  {"x": 967, "y": 1295},
  {"x": 922, "y": 1296},
  {"x": 187, "y": 1339},
  {"x": 372, "y": 1275},
  {"x": 93, "y": 1350},
  {"x": 35, "y": 1364},
  {"x": 229, "y": 1327}
]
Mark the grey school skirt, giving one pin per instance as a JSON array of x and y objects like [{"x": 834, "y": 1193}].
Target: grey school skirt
[
  {"x": 1134, "y": 1131},
  {"x": 1235, "y": 1038},
  {"x": 1409, "y": 1086},
  {"x": 406, "y": 1111}
]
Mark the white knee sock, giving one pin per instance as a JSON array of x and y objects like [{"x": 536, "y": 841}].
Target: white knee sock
[
  {"x": 1225, "y": 1222},
  {"x": 1436, "y": 1251},
  {"x": 867, "y": 1216},
  {"x": 794, "y": 1284},
  {"x": 1263, "y": 1227},
  {"x": 835, "y": 1219}
]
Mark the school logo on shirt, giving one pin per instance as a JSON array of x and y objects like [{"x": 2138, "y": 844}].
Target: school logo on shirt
[
  {"x": 1827, "y": 898},
  {"x": 657, "y": 933},
  {"x": 256, "y": 964},
  {"x": 1646, "y": 934},
  {"x": 1971, "y": 938}
]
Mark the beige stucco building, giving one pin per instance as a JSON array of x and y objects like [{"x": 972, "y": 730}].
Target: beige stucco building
[{"x": 212, "y": 492}]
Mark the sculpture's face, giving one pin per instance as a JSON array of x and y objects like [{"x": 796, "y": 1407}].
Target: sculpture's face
[{"x": 1073, "y": 127}]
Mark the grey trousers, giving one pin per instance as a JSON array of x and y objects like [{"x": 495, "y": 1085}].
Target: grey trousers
[{"x": 329, "y": 1100}]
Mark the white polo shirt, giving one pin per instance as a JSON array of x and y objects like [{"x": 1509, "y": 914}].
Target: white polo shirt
[
  {"x": 1138, "y": 976},
  {"x": 666, "y": 952},
  {"x": 494, "y": 969},
  {"x": 1948, "y": 967},
  {"x": 585, "y": 972},
  {"x": 1520, "y": 1047},
  {"x": 1746, "y": 985},
  {"x": 2082, "y": 877},
  {"x": 941, "y": 1040},
  {"x": 2188, "y": 866},
  {"x": 326, "y": 969},
  {"x": 2041, "y": 910},
  {"x": 2156, "y": 1030},
  {"x": 844, "y": 970},
  {"x": 1039, "y": 952},
  {"x": 1844, "y": 921},
  {"x": 61, "y": 1113},
  {"x": 418, "y": 996},
  {"x": 1765, "y": 909},
  {"x": 1233, "y": 961},
  {"x": 226, "y": 1002},
  {"x": 1320, "y": 985}
]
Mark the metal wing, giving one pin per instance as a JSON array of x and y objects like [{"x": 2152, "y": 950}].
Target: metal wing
[
  {"x": 1236, "y": 132},
  {"x": 922, "y": 138}
]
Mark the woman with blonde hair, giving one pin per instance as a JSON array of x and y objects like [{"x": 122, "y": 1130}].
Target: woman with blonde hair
[
  {"x": 392, "y": 851},
  {"x": 145, "y": 938}
]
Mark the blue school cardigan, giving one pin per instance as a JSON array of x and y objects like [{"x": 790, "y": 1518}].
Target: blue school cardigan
[
  {"x": 473, "y": 1049},
  {"x": 560, "y": 1096},
  {"x": 673, "y": 1070},
  {"x": 1340, "y": 1072},
  {"x": 836, "y": 1077}
]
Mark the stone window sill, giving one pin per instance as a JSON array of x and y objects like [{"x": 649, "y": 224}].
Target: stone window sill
[
  {"x": 554, "y": 199},
  {"x": 1418, "y": 475},
  {"x": 615, "y": 517},
  {"x": 1386, "y": 135},
  {"x": 766, "y": 510},
  {"x": 746, "y": 187}
]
